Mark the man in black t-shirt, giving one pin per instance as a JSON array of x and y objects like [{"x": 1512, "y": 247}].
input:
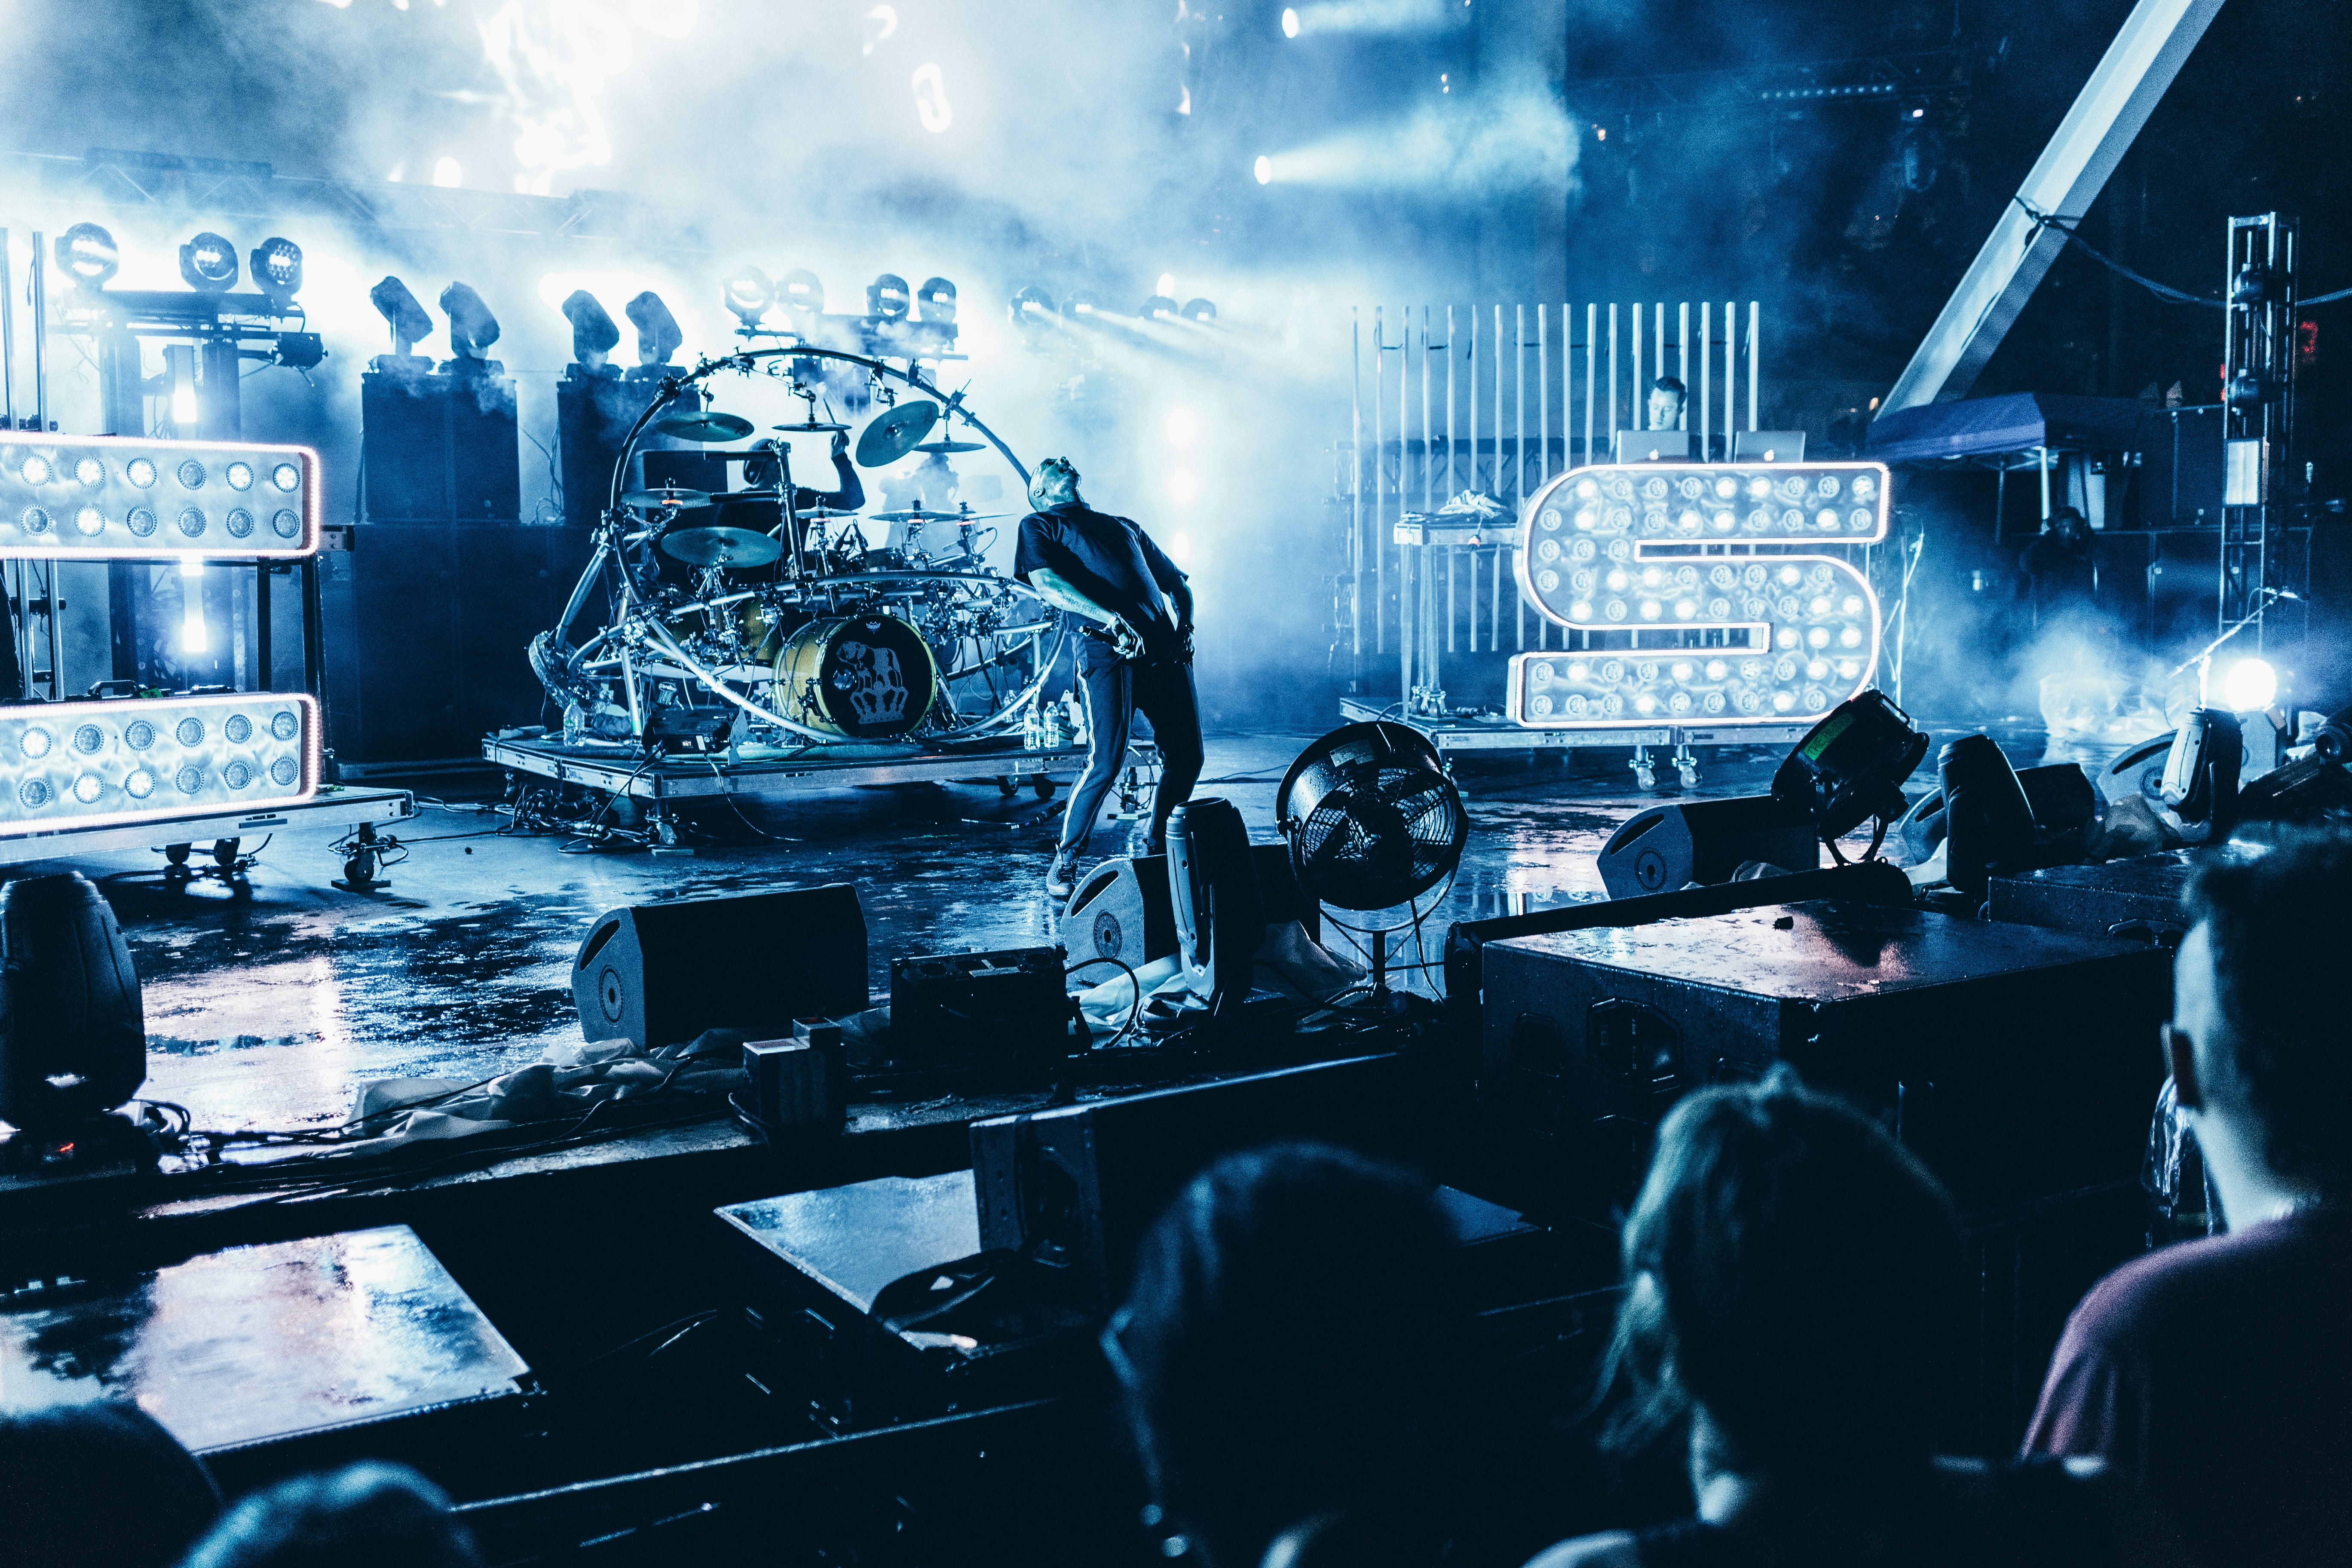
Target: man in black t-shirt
[{"x": 1116, "y": 585}]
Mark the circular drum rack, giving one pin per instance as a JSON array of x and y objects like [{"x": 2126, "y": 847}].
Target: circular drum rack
[{"x": 981, "y": 620}]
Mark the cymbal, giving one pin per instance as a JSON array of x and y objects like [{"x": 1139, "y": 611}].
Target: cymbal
[
  {"x": 710, "y": 427},
  {"x": 917, "y": 515},
  {"x": 893, "y": 435},
  {"x": 811, "y": 426},
  {"x": 720, "y": 547},
  {"x": 951, "y": 447},
  {"x": 675, "y": 499}
]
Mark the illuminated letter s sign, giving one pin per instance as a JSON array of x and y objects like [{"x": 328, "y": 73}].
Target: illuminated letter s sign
[{"x": 1687, "y": 596}]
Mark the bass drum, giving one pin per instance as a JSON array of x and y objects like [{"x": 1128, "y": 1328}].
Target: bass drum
[{"x": 865, "y": 678}]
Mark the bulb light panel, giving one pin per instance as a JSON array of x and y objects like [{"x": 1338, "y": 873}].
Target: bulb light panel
[
  {"x": 151, "y": 758},
  {"x": 1689, "y": 597},
  {"x": 114, "y": 497}
]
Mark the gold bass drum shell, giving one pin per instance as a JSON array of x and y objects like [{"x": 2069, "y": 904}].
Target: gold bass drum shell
[{"x": 862, "y": 677}]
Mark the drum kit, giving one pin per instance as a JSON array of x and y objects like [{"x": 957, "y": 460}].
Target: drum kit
[{"x": 759, "y": 601}]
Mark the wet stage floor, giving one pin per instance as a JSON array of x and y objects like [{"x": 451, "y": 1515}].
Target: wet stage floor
[{"x": 270, "y": 1012}]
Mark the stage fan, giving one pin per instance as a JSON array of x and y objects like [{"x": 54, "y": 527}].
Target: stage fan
[{"x": 1373, "y": 823}]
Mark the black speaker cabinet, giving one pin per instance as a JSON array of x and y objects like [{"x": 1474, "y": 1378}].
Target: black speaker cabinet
[
  {"x": 2180, "y": 467},
  {"x": 440, "y": 446},
  {"x": 1666, "y": 847},
  {"x": 426, "y": 626},
  {"x": 662, "y": 974}
]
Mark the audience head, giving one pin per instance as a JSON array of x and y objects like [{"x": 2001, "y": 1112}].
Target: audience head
[
  {"x": 1794, "y": 1274},
  {"x": 102, "y": 1485},
  {"x": 2258, "y": 1038},
  {"x": 365, "y": 1516},
  {"x": 1291, "y": 1328}
]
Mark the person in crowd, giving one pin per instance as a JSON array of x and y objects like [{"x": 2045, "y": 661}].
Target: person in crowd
[
  {"x": 2217, "y": 1373},
  {"x": 1285, "y": 1351},
  {"x": 1795, "y": 1288},
  {"x": 363, "y": 1516},
  {"x": 99, "y": 1486},
  {"x": 2062, "y": 567}
]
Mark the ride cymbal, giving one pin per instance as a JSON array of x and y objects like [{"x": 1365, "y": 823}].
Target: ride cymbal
[
  {"x": 674, "y": 500},
  {"x": 893, "y": 435},
  {"x": 720, "y": 547},
  {"x": 709, "y": 427}
]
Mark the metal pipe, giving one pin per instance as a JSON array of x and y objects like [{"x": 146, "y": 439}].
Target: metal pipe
[
  {"x": 1730, "y": 375},
  {"x": 1591, "y": 344},
  {"x": 40, "y": 339},
  {"x": 1706, "y": 382},
  {"x": 1755, "y": 355},
  {"x": 1473, "y": 402},
  {"x": 1519, "y": 438},
  {"x": 1635, "y": 369},
  {"x": 1452, "y": 478},
  {"x": 1356, "y": 488},
  {"x": 1613, "y": 377},
  {"x": 1379, "y": 480},
  {"x": 1682, "y": 362},
  {"x": 7, "y": 337},
  {"x": 1658, "y": 357}
]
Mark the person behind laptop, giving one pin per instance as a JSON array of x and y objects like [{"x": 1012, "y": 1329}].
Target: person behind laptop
[
  {"x": 1667, "y": 398},
  {"x": 2217, "y": 1373}
]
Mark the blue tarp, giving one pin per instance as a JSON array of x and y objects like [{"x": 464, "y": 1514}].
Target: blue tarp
[{"x": 1990, "y": 426}]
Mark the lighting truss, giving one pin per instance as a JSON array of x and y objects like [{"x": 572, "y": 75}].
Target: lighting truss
[
  {"x": 125, "y": 498},
  {"x": 1689, "y": 593},
  {"x": 68, "y": 765}
]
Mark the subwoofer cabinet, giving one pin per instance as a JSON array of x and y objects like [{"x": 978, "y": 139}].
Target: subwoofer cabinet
[{"x": 2018, "y": 1062}]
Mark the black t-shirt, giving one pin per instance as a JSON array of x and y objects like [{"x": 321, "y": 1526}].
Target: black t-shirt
[{"x": 1110, "y": 560}]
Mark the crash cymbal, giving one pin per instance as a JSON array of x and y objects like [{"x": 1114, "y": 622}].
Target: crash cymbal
[
  {"x": 709, "y": 426},
  {"x": 811, "y": 426},
  {"x": 720, "y": 547},
  {"x": 951, "y": 447},
  {"x": 775, "y": 495},
  {"x": 675, "y": 500},
  {"x": 893, "y": 435}
]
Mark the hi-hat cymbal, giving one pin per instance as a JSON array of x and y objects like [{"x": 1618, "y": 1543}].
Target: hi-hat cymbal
[
  {"x": 720, "y": 547},
  {"x": 893, "y": 435},
  {"x": 675, "y": 500},
  {"x": 951, "y": 447},
  {"x": 811, "y": 426},
  {"x": 708, "y": 427}
]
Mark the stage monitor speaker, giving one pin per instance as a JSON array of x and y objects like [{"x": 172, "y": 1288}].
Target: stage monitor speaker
[
  {"x": 1669, "y": 846},
  {"x": 1074, "y": 1187},
  {"x": 662, "y": 974},
  {"x": 1123, "y": 910},
  {"x": 594, "y": 407},
  {"x": 73, "y": 1035}
]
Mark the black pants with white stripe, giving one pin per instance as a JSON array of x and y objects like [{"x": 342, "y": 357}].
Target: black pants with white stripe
[{"x": 1162, "y": 690}]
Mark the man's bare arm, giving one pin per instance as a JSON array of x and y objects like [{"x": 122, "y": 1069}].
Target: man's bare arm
[{"x": 1062, "y": 593}]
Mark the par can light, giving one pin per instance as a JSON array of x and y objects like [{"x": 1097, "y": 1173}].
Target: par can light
[
  {"x": 98, "y": 498},
  {"x": 96, "y": 765}
]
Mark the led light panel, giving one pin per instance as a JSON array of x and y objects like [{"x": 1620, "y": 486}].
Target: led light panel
[
  {"x": 1693, "y": 595},
  {"x": 119, "y": 497},
  {"x": 96, "y": 765}
]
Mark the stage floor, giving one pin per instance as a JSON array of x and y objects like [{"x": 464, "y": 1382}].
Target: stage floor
[{"x": 269, "y": 1012}]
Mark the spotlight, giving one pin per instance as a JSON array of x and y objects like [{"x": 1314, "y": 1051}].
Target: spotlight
[
  {"x": 658, "y": 332},
  {"x": 886, "y": 297},
  {"x": 801, "y": 293},
  {"x": 1264, "y": 169},
  {"x": 1159, "y": 307},
  {"x": 90, "y": 253},
  {"x": 749, "y": 294},
  {"x": 208, "y": 264},
  {"x": 472, "y": 328},
  {"x": 1200, "y": 311},
  {"x": 409, "y": 323},
  {"x": 301, "y": 351},
  {"x": 2252, "y": 683},
  {"x": 277, "y": 269},
  {"x": 1031, "y": 305},
  {"x": 593, "y": 335},
  {"x": 938, "y": 299},
  {"x": 1851, "y": 767},
  {"x": 1290, "y": 23},
  {"x": 1085, "y": 302}
]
